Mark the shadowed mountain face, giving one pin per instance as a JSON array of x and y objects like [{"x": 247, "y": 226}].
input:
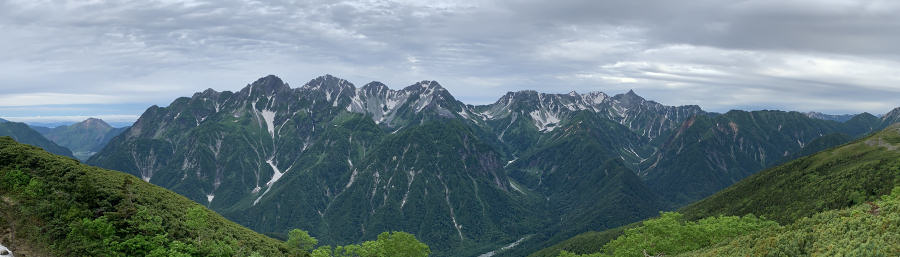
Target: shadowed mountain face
[
  {"x": 347, "y": 163},
  {"x": 84, "y": 138}
]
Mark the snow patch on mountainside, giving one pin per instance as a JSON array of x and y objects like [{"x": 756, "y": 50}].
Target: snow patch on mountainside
[
  {"x": 276, "y": 175},
  {"x": 507, "y": 247},
  {"x": 543, "y": 120},
  {"x": 269, "y": 117}
]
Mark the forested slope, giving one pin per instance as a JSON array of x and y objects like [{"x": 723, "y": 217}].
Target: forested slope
[{"x": 58, "y": 206}]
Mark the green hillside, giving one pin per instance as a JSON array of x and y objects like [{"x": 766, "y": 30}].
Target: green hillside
[
  {"x": 868, "y": 229},
  {"x": 22, "y": 133},
  {"x": 820, "y": 144},
  {"x": 57, "y": 206},
  {"x": 837, "y": 178},
  {"x": 804, "y": 195}
]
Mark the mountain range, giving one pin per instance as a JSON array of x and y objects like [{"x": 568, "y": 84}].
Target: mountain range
[{"x": 347, "y": 163}]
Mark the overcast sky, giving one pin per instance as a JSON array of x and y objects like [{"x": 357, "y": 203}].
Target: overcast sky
[{"x": 66, "y": 60}]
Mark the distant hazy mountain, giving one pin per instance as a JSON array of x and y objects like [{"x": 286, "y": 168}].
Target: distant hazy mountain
[
  {"x": 24, "y": 134},
  {"x": 84, "y": 138},
  {"x": 347, "y": 163}
]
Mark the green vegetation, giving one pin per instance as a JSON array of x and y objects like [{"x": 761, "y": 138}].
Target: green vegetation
[
  {"x": 670, "y": 234},
  {"x": 586, "y": 146},
  {"x": 301, "y": 240},
  {"x": 587, "y": 242},
  {"x": 868, "y": 229},
  {"x": 65, "y": 208},
  {"x": 26, "y": 135},
  {"x": 820, "y": 144},
  {"x": 388, "y": 244}
]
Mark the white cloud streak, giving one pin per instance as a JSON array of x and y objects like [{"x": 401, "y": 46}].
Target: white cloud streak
[{"x": 72, "y": 118}]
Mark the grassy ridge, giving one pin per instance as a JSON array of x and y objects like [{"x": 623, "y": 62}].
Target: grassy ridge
[
  {"x": 868, "y": 229},
  {"x": 66, "y": 208},
  {"x": 25, "y": 134}
]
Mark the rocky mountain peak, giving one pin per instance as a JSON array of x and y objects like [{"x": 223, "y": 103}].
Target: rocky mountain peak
[
  {"x": 93, "y": 123},
  {"x": 891, "y": 117},
  {"x": 629, "y": 99},
  {"x": 895, "y": 113},
  {"x": 426, "y": 85},
  {"x": 268, "y": 85},
  {"x": 374, "y": 86},
  {"x": 328, "y": 83}
]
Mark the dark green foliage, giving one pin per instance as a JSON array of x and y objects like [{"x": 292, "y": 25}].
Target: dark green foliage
[
  {"x": 584, "y": 243},
  {"x": 459, "y": 174},
  {"x": 868, "y": 229},
  {"x": 24, "y": 134},
  {"x": 862, "y": 124},
  {"x": 388, "y": 244},
  {"x": 669, "y": 234},
  {"x": 585, "y": 148},
  {"x": 301, "y": 240},
  {"x": 72, "y": 209}
]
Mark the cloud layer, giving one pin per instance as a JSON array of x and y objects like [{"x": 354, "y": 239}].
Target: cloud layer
[{"x": 836, "y": 56}]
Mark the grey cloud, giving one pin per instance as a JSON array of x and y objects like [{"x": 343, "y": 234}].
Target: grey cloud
[
  {"x": 675, "y": 52},
  {"x": 855, "y": 27}
]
